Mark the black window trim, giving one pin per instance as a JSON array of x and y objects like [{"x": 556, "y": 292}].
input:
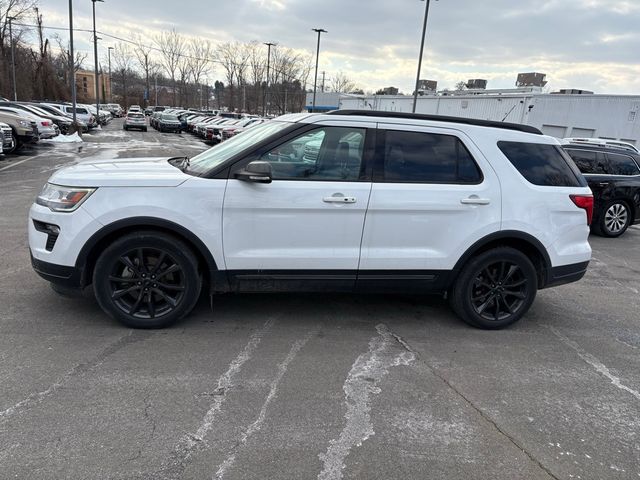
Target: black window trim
[
  {"x": 378, "y": 171},
  {"x": 368, "y": 151}
]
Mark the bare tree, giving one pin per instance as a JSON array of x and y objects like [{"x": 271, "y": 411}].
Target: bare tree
[
  {"x": 172, "y": 48},
  {"x": 143, "y": 55},
  {"x": 63, "y": 57},
  {"x": 199, "y": 60},
  {"x": 123, "y": 61},
  {"x": 343, "y": 84}
]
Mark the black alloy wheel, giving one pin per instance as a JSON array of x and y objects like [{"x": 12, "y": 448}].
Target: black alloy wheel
[
  {"x": 495, "y": 288},
  {"x": 499, "y": 290},
  {"x": 147, "y": 280},
  {"x": 146, "y": 283}
]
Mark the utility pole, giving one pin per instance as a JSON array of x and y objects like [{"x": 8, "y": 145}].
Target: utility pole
[
  {"x": 110, "y": 85},
  {"x": 72, "y": 66},
  {"x": 315, "y": 77},
  {"x": 266, "y": 89},
  {"x": 155, "y": 81},
  {"x": 13, "y": 59},
  {"x": 424, "y": 33},
  {"x": 323, "y": 73},
  {"x": 95, "y": 55}
]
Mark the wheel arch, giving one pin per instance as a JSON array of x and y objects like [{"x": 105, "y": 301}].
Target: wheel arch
[
  {"x": 98, "y": 241},
  {"x": 524, "y": 242}
]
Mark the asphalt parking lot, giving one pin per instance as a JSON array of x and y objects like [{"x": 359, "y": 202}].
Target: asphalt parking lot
[{"x": 310, "y": 386}]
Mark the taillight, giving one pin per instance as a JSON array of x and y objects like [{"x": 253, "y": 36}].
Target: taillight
[
  {"x": 46, "y": 124},
  {"x": 585, "y": 202}
]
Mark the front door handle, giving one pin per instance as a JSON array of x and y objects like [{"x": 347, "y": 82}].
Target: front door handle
[
  {"x": 475, "y": 200},
  {"x": 339, "y": 198}
]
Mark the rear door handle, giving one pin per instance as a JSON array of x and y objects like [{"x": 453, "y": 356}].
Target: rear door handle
[
  {"x": 339, "y": 198},
  {"x": 603, "y": 184},
  {"x": 474, "y": 200}
]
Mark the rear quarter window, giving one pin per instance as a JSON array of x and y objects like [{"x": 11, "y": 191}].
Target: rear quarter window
[
  {"x": 622, "y": 164},
  {"x": 544, "y": 165}
]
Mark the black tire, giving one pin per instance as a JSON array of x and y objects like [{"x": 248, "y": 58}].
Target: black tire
[
  {"x": 495, "y": 288},
  {"x": 126, "y": 286},
  {"x": 614, "y": 219},
  {"x": 16, "y": 144},
  {"x": 144, "y": 129}
]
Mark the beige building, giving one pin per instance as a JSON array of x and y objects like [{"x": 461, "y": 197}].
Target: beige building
[{"x": 85, "y": 86}]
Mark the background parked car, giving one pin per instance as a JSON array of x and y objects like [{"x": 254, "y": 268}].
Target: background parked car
[
  {"x": 135, "y": 120},
  {"x": 45, "y": 127},
  {"x": 82, "y": 113},
  {"x": 169, "y": 123},
  {"x": 62, "y": 122},
  {"x": 54, "y": 111},
  {"x": 23, "y": 131},
  {"x": 613, "y": 174}
]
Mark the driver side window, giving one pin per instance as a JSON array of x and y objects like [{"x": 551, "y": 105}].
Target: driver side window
[{"x": 323, "y": 154}]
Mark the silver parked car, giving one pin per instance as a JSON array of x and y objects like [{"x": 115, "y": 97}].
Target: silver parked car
[{"x": 135, "y": 120}]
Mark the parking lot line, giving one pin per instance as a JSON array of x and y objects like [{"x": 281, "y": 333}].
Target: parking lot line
[{"x": 18, "y": 163}]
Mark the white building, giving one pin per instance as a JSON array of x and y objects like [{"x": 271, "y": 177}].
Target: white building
[{"x": 607, "y": 116}]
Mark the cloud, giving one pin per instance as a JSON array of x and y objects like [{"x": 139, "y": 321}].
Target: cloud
[{"x": 591, "y": 44}]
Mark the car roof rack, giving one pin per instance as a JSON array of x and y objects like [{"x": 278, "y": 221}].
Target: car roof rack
[
  {"x": 601, "y": 142},
  {"x": 439, "y": 118}
]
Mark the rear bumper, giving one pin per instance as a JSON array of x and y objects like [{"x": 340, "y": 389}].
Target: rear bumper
[
  {"x": 566, "y": 274},
  {"x": 64, "y": 276}
]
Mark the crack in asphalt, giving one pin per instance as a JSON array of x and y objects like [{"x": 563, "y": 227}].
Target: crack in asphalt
[{"x": 477, "y": 409}]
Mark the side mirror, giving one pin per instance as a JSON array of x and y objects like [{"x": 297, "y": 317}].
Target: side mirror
[{"x": 258, "y": 171}]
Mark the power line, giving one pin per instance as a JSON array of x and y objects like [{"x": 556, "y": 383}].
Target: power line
[{"x": 156, "y": 49}]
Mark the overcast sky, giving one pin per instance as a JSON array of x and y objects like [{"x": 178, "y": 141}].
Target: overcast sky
[{"x": 588, "y": 44}]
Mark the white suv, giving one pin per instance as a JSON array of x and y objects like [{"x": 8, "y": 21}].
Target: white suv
[{"x": 484, "y": 212}]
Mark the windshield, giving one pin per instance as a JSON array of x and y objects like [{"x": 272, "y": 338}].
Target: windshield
[
  {"x": 216, "y": 155},
  {"x": 169, "y": 117},
  {"x": 135, "y": 115}
]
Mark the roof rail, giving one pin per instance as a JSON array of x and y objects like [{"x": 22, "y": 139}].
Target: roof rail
[{"x": 439, "y": 118}]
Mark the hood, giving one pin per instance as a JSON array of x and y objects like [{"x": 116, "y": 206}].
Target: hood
[{"x": 121, "y": 172}]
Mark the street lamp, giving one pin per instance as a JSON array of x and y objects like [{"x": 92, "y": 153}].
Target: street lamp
[
  {"x": 72, "y": 66},
  {"x": 315, "y": 77},
  {"x": 424, "y": 32},
  {"x": 266, "y": 89},
  {"x": 110, "y": 92},
  {"x": 13, "y": 59},
  {"x": 95, "y": 54}
]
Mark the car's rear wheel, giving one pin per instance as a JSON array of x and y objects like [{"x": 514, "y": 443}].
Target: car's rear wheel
[
  {"x": 495, "y": 289},
  {"x": 147, "y": 280},
  {"x": 614, "y": 220}
]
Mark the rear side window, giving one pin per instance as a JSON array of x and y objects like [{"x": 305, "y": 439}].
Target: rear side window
[
  {"x": 622, "y": 165},
  {"x": 545, "y": 165},
  {"x": 588, "y": 161},
  {"x": 417, "y": 157}
]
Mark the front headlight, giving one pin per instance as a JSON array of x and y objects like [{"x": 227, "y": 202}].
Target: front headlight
[
  {"x": 63, "y": 199},
  {"x": 24, "y": 123}
]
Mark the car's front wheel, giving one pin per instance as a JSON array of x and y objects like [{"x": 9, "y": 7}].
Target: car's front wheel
[
  {"x": 615, "y": 219},
  {"x": 147, "y": 280},
  {"x": 495, "y": 289}
]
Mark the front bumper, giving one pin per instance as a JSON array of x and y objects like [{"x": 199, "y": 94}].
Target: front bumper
[{"x": 69, "y": 277}]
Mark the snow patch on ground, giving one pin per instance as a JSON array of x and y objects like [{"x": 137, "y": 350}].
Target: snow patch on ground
[{"x": 74, "y": 138}]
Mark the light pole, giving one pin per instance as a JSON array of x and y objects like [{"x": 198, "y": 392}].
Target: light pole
[
  {"x": 424, "y": 33},
  {"x": 13, "y": 59},
  {"x": 95, "y": 54},
  {"x": 110, "y": 86},
  {"x": 72, "y": 66},
  {"x": 266, "y": 89},
  {"x": 315, "y": 77}
]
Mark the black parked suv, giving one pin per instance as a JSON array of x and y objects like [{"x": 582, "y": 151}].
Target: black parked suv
[{"x": 613, "y": 173}]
